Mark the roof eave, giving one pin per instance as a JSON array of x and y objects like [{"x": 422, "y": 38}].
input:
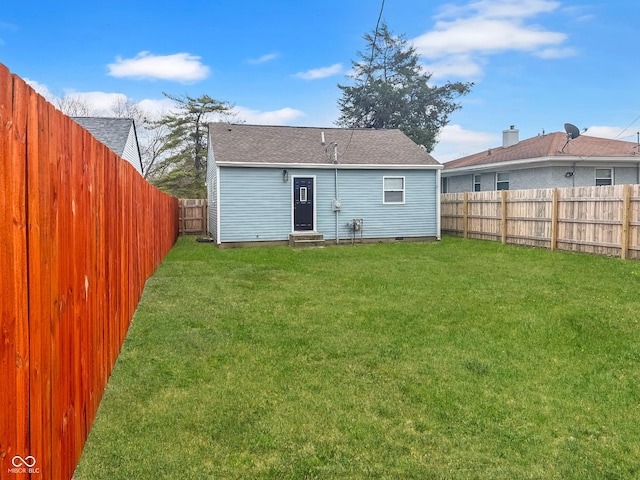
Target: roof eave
[
  {"x": 332, "y": 166},
  {"x": 540, "y": 161}
]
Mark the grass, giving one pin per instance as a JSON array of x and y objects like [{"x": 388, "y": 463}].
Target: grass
[{"x": 459, "y": 359}]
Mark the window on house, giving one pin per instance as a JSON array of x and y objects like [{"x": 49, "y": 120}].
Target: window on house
[
  {"x": 393, "y": 189},
  {"x": 604, "y": 176},
  {"x": 502, "y": 181},
  {"x": 444, "y": 185},
  {"x": 476, "y": 183}
]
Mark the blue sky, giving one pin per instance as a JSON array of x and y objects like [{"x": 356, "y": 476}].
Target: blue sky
[{"x": 536, "y": 64}]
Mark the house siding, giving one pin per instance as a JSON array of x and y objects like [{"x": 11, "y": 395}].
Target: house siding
[
  {"x": 543, "y": 177},
  {"x": 212, "y": 200},
  {"x": 626, "y": 175},
  {"x": 256, "y": 203},
  {"x": 460, "y": 183},
  {"x": 361, "y": 196},
  {"x": 131, "y": 153}
]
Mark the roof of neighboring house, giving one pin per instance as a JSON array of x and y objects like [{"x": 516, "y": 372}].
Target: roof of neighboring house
[
  {"x": 549, "y": 146},
  {"x": 263, "y": 144},
  {"x": 113, "y": 132}
]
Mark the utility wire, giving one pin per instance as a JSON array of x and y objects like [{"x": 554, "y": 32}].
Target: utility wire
[
  {"x": 373, "y": 50},
  {"x": 375, "y": 37},
  {"x": 584, "y": 156}
]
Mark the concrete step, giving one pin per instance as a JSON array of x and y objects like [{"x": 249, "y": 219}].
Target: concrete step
[{"x": 306, "y": 239}]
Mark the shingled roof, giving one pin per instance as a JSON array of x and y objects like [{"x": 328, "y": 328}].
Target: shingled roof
[
  {"x": 113, "y": 132},
  {"x": 551, "y": 146},
  {"x": 263, "y": 144}
]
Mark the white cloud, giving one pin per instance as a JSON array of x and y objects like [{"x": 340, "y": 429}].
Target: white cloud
[
  {"x": 463, "y": 66},
  {"x": 455, "y": 142},
  {"x": 501, "y": 8},
  {"x": 551, "y": 53},
  {"x": 322, "y": 72},
  {"x": 464, "y": 35},
  {"x": 284, "y": 116},
  {"x": 483, "y": 35},
  {"x": 180, "y": 67},
  {"x": 100, "y": 102},
  {"x": 41, "y": 89},
  {"x": 264, "y": 58},
  {"x": 155, "y": 108},
  {"x": 628, "y": 134}
]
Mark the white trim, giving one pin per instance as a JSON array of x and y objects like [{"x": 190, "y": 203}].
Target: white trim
[
  {"x": 473, "y": 182},
  {"x": 444, "y": 181},
  {"x": 341, "y": 166},
  {"x": 542, "y": 162},
  {"x": 438, "y": 219},
  {"x": 385, "y": 190},
  {"x": 611, "y": 177},
  {"x": 508, "y": 181},
  {"x": 217, "y": 205},
  {"x": 292, "y": 202}
]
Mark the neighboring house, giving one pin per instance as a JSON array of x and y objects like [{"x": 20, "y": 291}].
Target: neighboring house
[
  {"x": 546, "y": 161},
  {"x": 119, "y": 134},
  {"x": 271, "y": 183}
]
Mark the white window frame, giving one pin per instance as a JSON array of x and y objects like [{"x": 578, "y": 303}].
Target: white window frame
[
  {"x": 601, "y": 178},
  {"x": 444, "y": 185},
  {"x": 476, "y": 181},
  {"x": 385, "y": 190},
  {"x": 507, "y": 181}
]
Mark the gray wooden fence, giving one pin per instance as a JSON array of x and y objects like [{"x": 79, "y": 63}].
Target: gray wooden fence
[{"x": 193, "y": 216}]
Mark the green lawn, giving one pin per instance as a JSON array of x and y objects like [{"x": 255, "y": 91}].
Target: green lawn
[{"x": 459, "y": 359}]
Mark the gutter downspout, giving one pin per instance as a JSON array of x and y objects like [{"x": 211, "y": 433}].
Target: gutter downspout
[
  {"x": 638, "y": 145},
  {"x": 337, "y": 209},
  {"x": 438, "y": 202}
]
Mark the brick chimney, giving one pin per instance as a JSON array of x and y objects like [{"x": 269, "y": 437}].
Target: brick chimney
[{"x": 510, "y": 137}]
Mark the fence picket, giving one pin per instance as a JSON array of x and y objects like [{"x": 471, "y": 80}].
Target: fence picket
[
  {"x": 598, "y": 220},
  {"x": 193, "y": 216},
  {"x": 81, "y": 232}
]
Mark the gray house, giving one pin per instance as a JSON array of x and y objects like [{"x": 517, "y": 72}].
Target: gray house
[
  {"x": 118, "y": 134},
  {"x": 546, "y": 161},
  {"x": 275, "y": 184}
]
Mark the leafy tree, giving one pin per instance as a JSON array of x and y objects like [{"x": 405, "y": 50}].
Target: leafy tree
[
  {"x": 181, "y": 157},
  {"x": 391, "y": 90}
]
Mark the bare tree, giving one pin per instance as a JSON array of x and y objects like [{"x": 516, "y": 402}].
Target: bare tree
[
  {"x": 125, "y": 107},
  {"x": 75, "y": 107}
]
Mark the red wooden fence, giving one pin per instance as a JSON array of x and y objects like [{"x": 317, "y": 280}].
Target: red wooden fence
[{"x": 80, "y": 232}]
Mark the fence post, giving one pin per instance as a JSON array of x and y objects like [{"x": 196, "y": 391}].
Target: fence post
[
  {"x": 626, "y": 217},
  {"x": 554, "y": 219},
  {"x": 205, "y": 218},
  {"x": 465, "y": 215},
  {"x": 182, "y": 207},
  {"x": 503, "y": 224}
]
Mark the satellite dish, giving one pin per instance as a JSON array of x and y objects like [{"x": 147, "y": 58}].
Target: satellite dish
[{"x": 572, "y": 130}]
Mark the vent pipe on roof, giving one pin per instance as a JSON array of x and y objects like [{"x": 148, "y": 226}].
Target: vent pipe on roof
[{"x": 510, "y": 137}]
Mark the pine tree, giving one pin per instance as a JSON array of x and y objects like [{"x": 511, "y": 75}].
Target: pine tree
[
  {"x": 182, "y": 169},
  {"x": 391, "y": 90}
]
